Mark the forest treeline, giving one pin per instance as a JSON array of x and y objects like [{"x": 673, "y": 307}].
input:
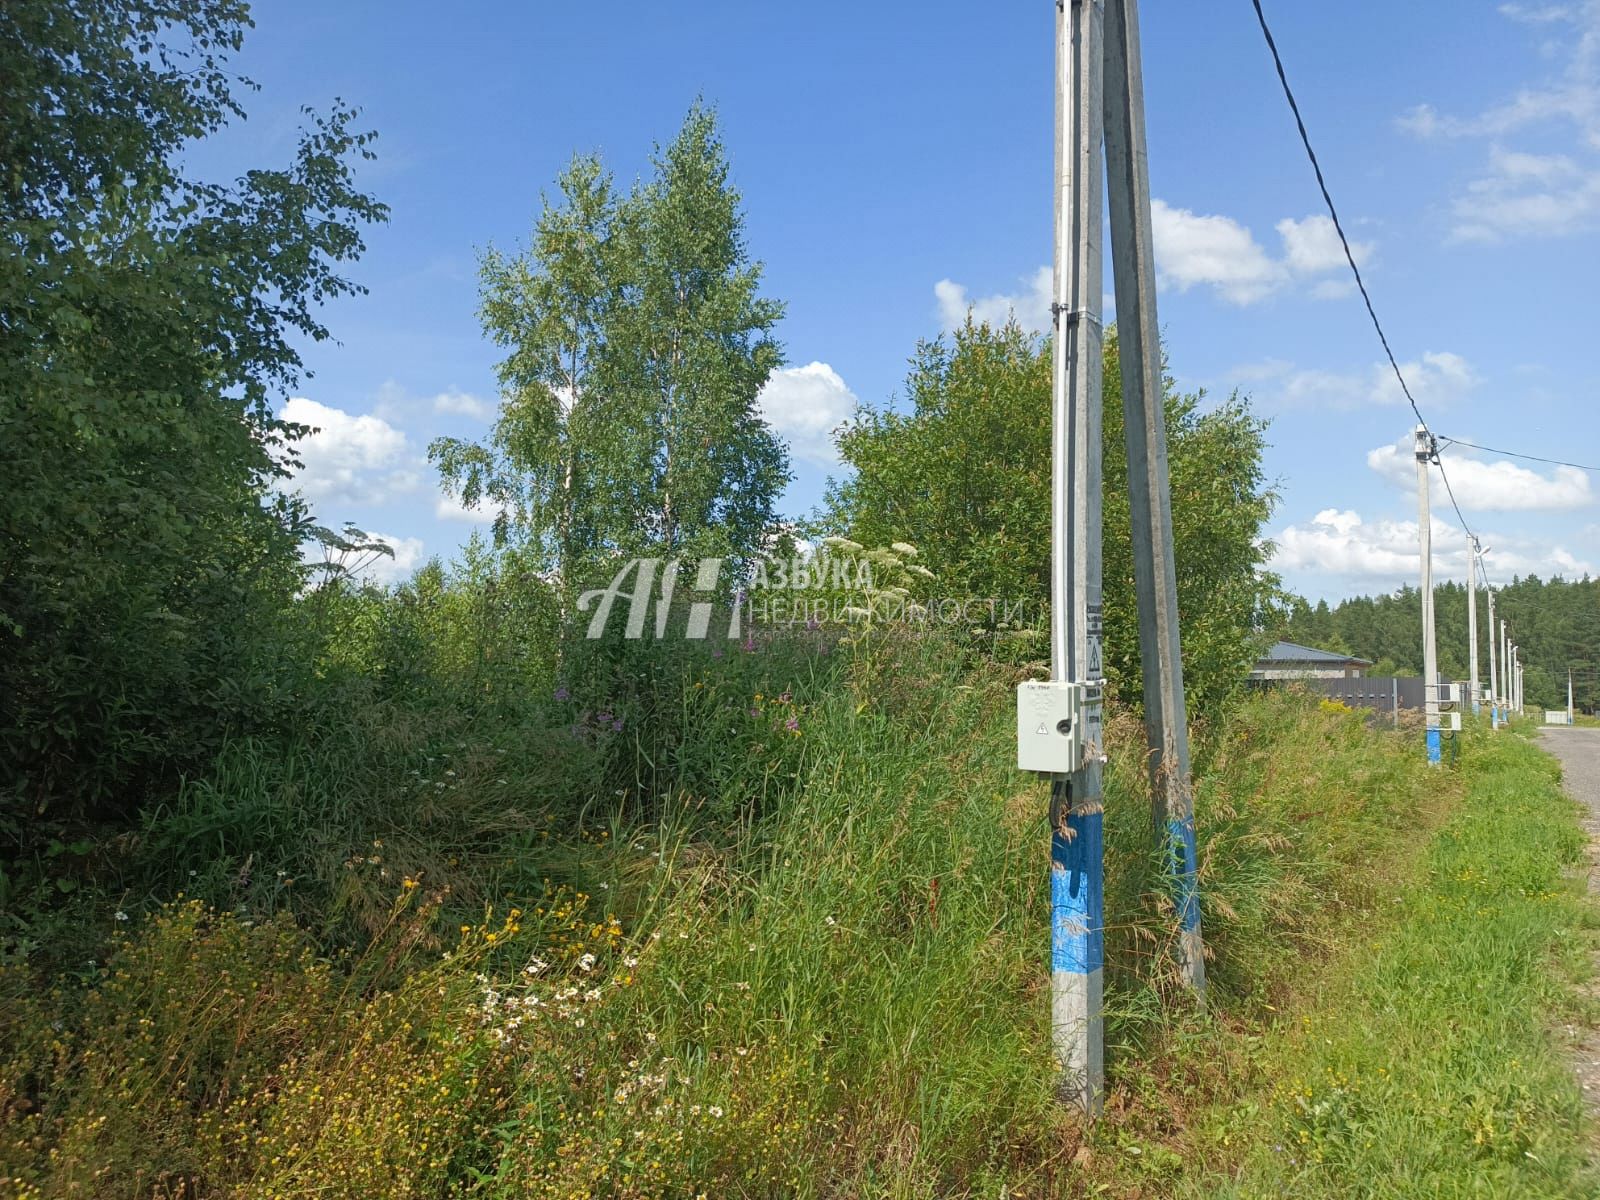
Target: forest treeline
[{"x": 1555, "y": 622}]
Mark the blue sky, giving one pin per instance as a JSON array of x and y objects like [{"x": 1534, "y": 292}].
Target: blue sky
[{"x": 895, "y": 164}]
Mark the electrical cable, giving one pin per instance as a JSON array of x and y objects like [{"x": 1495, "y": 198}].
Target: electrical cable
[
  {"x": 1349, "y": 254},
  {"x": 1554, "y": 462}
]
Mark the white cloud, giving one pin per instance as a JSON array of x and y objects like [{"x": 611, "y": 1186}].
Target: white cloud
[
  {"x": 1213, "y": 251},
  {"x": 1030, "y": 306},
  {"x": 1538, "y": 14},
  {"x": 805, "y": 405},
  {"x": 1437, "y": 379},
  {"x": 350, "y": 459},
  {"x": 1312, "y": 246},
  {"x": 451, "y": 508},
  {"x": 463, "y": 404},
  {"x": 1482, "y": 486},
  {"x": 1219, "y": 252},
  {"x": 1192, "y": 250},
  {"x": 1529, "y": 195},
  {"x": 1520, "y": 194},
  {"x": 1386, "y": 552}
]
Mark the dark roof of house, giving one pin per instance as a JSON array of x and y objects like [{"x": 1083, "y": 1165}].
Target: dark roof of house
[{"x": 1289, "y": 652}]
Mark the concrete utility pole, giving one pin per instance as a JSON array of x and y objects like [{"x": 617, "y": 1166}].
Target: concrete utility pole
[
  {"x": 1473, "y": 550},
  {"x": 1155, "y": 576},
  {"x": 1430, "y": 649},
  {"x": 1505, "y": 671},
  {"x": 1494, "y": 668},
  {"x": 1077, "y": 900},
  {"x": 1572, "y": 716}
]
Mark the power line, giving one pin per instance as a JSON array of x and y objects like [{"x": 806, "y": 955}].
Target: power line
[
  {"x": 1338, "y": 226},
  {"x": 1554, "y": 462}
]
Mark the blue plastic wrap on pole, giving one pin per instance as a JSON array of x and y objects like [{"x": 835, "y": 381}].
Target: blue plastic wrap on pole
[
  {"x": 1077, "y": 951},
  {"x": 1435, "y": 746},
  {"x": 1077, "y": 896},
  {"x": 1186, "y": 892}
]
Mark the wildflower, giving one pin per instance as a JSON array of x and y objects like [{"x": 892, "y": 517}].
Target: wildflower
[
  {"x": 830, "y": 922},
  {"x": 792, "y": 724},
  {"x": 787, "y": 697},
  {"x": 586, "y": 963},
  {"x": 841, "y": 543},
  {"x": 592, "y": 995},
  {"x": 616, "y": 726},
  {"x": 631, "y": 961},
  {"x": 904, "y": 549},
  {"x": 409, "y": 883},
  {"x": 742, "y": 986},
  {"x": 715, "y": 1111},
  {"x": 561, "y": 693},
  {"x": 121, "y": 916}
]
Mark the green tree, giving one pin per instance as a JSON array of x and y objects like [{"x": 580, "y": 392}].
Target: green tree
[
  {"x": 146, "y": 321},
  {"x": 637, "y": 343},
  {"x": 1555, "y": 622},
  {"x": 965, "y": 476}
]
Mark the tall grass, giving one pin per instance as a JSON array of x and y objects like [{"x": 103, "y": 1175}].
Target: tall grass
[
  {"x": 1427, "y": 1065},
  {"x": 793, "y": 943}
]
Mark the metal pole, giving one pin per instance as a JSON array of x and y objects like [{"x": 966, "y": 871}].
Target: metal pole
[
  {"x": 1077, "y": 947},
  {"x": 1494, "y": 668},
  {"x": 1155, "y": 577},
  {"x": 1472, "y": 619},
  {"x": 1430, "y": 651},
  {"x": 1395, "y": 685},
  {"x": 1571, "y": 714},
  {"x": 1505, "y": 670}
]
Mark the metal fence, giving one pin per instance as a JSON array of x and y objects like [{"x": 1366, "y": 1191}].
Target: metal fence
[{"x": 1382, "y": 693}]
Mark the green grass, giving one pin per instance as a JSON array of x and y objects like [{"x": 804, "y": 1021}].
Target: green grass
[
  {"x": 1428, "y": 1065},
  {"x": 825, "y": 977}
]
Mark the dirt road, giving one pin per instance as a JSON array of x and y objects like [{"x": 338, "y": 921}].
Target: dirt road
[{"x": 1579, "y": 752}]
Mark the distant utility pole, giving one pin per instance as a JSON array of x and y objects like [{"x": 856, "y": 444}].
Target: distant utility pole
[
  {"x": 1155, "y": 576},
  {"x": 1494, "y": 668},
  {"x": 1505, "y": 672},
  {"x": 1059, "y": 723},
  {"x": 1474, "y": 549},
  {"x": 1430, "y": 649},
  {"x": 1572, "y": 716}
]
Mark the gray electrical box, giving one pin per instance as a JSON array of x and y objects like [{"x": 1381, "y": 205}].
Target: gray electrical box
[{"x": 1051, "y": 726}]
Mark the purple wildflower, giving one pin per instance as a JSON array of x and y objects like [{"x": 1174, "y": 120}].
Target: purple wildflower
[
  {"x": 792, "y": 724},
  {"x": 562, "y": 693},
  {"x": 616, "y": 726}
]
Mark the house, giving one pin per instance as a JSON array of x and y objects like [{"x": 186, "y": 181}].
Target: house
[{"x": 1286, "y": 660}]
